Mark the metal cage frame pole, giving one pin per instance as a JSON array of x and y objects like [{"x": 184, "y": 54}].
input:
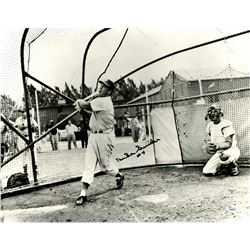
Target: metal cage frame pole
[
  {"x": 48, "y": 87},
  {"x": 149, "y": 109},
  {"x": 38, "y": 114},
  {"x": 181, "y": 51},
  {"x": 6, "y": 122},
  {"x": 83, "y": 86},
  {"x": 29, "y": 144},
  {"x": 33, "y": 161},
  {"x": 26, "y": 74},
  {"x": 175, "y": 119},
  {"x": 85, "y": 56}
]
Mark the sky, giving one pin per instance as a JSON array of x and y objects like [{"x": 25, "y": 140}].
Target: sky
[
  {"x": 156, "y": 28},
  {"x": 56, "y": 56}
]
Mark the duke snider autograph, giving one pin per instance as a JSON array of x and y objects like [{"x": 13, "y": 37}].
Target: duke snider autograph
[{"x": 138, "y": 152}]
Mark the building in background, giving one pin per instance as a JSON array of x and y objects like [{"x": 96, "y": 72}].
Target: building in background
[{"x": 181, "y": 83}]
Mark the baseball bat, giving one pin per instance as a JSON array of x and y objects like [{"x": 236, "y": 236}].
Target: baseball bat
[{"x": 94, "y": 94}]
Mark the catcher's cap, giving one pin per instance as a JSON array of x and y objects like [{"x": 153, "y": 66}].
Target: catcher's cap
[{"x": 109, "y": 84}]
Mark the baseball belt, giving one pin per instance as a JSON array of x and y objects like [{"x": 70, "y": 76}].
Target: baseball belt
[{"x": 101, "y": 131}]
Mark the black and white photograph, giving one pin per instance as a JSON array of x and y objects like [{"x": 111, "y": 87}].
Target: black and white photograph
[{"x": 129, "y": 124}]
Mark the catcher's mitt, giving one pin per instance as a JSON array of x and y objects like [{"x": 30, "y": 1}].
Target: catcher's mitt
[
  {"x": 211, "y": 148},
  {"x": 224, "y": 157}
]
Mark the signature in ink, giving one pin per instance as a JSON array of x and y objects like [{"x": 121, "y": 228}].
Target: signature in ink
[{"x": 138, "y": 152}]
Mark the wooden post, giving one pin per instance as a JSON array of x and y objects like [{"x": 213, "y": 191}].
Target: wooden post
[{"x": 148, "y": 113}]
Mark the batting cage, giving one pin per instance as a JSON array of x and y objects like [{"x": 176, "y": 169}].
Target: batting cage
[{"x": 46, "y": 70}]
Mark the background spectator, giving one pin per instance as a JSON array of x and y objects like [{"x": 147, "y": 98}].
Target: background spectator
[{"x": 70, "y": 130}]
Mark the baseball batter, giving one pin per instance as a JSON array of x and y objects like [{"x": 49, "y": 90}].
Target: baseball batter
[
  {"x": 221, "y": 144},
  {"x": 101, "y": 139}
]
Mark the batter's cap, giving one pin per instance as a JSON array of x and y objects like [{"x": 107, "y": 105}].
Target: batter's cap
[{"x": 111, "y": 85}]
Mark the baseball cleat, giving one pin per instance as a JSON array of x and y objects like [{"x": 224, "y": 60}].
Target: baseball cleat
[
  {"x": 119, "y": 181},
  {"x": 234, "y": 169},
  {"x": 81, "y": 199}
]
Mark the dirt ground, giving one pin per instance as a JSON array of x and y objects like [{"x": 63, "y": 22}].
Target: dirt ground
[{"x": 152, "y": 194}]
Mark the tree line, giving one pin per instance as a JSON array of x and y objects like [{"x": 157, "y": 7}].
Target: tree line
[
  {"x": 46, "y": 98},
  {"x": 127, "y": 89}
]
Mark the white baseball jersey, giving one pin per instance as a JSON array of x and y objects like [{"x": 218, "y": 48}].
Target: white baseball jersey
[
  {"x": 219, "y": 132},
  {"x": 102, "y": 117},
  {"x": 100, "y": 145},
  {"x": 71, "y": 129}
]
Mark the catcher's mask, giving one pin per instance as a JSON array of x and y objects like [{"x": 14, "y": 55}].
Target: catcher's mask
[{"x": 213, "y": 112}]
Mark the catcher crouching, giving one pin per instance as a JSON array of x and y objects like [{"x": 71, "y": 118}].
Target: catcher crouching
[{"x": 221, "y": 144}]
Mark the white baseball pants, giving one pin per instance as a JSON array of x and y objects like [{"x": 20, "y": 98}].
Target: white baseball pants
[
  {"x": 215, "y": 162},
  {"x": 98, "y": 153}
]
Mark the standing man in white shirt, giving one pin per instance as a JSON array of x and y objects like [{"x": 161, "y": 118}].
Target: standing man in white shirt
[
  {"x": 22, "y": 125},
  {"x": 70, "y": 130},
  {"x": 101, "y": 140}
]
